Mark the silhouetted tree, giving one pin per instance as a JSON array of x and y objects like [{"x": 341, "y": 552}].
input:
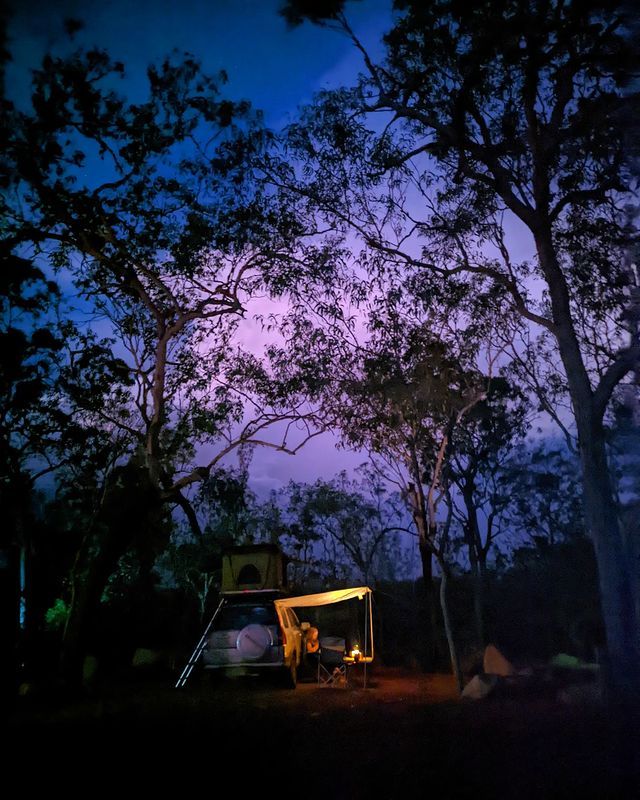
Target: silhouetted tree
[
  {"x": 349, "y": 524},
  {"x": 481, "y": 482},
  {"x": 491, "y": 113},
  {"x": 545, "y": 498},
  {"x": 150, "y": 213}
]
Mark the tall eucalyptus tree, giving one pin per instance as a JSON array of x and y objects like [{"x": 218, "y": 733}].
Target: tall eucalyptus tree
[{"x": 483, "y": 125}]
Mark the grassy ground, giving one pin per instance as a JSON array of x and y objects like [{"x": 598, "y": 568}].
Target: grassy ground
[{"x": 405, "y": 734}]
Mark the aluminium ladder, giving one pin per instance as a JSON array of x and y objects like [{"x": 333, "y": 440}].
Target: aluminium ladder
[{"x": 186, "y": 672}]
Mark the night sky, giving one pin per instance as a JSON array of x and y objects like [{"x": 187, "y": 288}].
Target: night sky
[{"x": 277, "y": 68}]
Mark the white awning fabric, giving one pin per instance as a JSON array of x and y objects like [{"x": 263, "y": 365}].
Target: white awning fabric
[{"x": 323, "y": 598}]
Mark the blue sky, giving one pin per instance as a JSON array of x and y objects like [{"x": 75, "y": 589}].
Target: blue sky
[{"x": 277, "y": 68}]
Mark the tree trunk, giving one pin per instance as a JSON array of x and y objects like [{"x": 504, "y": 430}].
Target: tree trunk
[
  {"x": 87, "y": 584},
  {"x": 478, "y": 602},
  {"x": 96, "y": 562},
  {"x": 448, "y": 628},
  {"x": 615, "y": 572},
  {"x": 9, "y": 631},
  {"x": 472, "y": 537},
  {"x": 430, "y": 616}
]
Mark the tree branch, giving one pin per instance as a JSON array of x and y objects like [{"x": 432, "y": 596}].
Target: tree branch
[{"x": 626, "y": 361}]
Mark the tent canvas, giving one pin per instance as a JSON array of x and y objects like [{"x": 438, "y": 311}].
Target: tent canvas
[
  {"x": 253, "y": 567},
  {"x": 339, "y": 596},
  {"x": 323, "y": 598}
]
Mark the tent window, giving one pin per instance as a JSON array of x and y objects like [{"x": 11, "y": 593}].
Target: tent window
[{"x": 249, "y": 574}]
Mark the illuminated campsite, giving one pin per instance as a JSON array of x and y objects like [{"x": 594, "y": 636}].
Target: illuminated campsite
[{"x": 320, "y": 422}]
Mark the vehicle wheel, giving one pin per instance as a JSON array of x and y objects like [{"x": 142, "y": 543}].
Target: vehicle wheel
[{"x": 291, "y": 674}]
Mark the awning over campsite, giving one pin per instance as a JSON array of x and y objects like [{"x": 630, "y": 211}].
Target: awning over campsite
[
  {"x": 338, "y": 596},
  {"x": 323, "y": 598}
]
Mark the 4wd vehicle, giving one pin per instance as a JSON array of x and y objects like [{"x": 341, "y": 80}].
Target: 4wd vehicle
[{"x": 250, "y": 635}]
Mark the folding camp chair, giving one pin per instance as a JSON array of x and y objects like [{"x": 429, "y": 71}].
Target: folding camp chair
[{"x": 332, "y": 667}]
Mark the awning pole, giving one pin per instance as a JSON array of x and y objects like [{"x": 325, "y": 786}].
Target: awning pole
[{"x": 367, "y": 605}]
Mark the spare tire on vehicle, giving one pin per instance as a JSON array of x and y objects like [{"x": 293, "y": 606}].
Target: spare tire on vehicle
[{"x": 253, "y": 641}]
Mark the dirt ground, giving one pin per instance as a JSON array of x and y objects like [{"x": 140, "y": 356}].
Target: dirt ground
[{"x": 406, "y": 733}]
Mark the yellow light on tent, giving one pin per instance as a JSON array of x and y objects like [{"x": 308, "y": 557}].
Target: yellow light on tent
[{"x": 355, "y": 653}]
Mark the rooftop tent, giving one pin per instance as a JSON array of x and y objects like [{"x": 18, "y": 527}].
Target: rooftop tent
[
  {"x": 339, "y": 596},
  {"x": 254, "y": 567}
]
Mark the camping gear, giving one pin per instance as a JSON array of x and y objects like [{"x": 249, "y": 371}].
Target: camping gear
[
  {"x": 195, "y": 656},
  {"x": 332, "y": 667},
  {"x": 253, "y": 567},
  {"x": 356, "y": 654}
]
